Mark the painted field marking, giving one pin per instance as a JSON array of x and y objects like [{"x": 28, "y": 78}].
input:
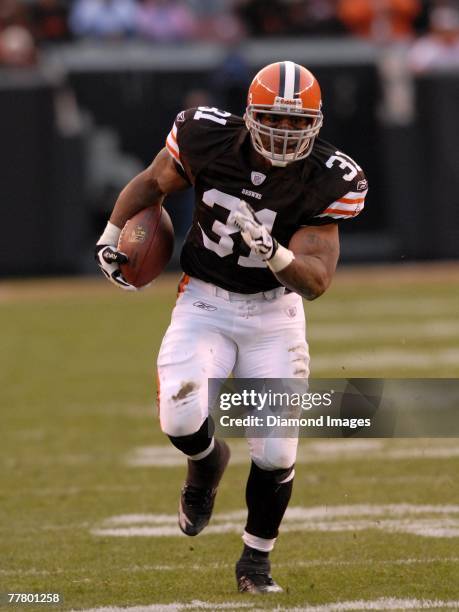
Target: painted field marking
[
  {"x": 434, "y": 521},
  {"x": 313, "y": 452},
  {"x": 202, "y": 567},
  {"x": 369, "y": 330},
  {"x": 383, "y": 603},
  {"x": 386, "y": 358},
  {"x": 176, "y": 607},
  {"x": 371, "y": 308}
]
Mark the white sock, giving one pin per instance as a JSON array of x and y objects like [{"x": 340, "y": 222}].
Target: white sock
[
  {"x": 258, "y": 543},
  {"x": 204, "y": 453}
]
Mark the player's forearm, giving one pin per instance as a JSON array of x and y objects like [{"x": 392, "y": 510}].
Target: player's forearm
[
  {"x": 141, "y": 192},
  {"x": 305, "y": 275},
  {"x": 308, "y": 265}
]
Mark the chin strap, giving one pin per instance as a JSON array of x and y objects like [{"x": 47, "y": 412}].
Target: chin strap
[{"x": 277, "y": 163}]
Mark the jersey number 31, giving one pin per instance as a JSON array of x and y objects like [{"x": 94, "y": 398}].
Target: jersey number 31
[{"x": 225, "y": 245}]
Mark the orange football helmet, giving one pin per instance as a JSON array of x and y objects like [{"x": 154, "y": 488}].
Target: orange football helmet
[{"x": 284, "y": 88}]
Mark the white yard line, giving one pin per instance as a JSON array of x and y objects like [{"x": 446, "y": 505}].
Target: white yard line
[
  {"x": 426, "y": 453},
  {"x": 432, "y": 529},
  {"x": 177, "y": 607},
  {"x": 368, "y": 360},
  {"x": 302, "y": 513},
  {"x": 202, "y": 567},
  {"x": 29, "y": 572},
  {"x": 308, "y": 563},
  {"x": 383, "y": 603},
  {"x": 323, "y": 331},
  {"x": 406, "y": 308},
  {"x": 313, "y": 452},
  {"x": 433, "y": 521}
]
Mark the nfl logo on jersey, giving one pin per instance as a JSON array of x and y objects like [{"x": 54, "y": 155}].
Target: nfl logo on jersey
[{"x": 257, "y": 178}]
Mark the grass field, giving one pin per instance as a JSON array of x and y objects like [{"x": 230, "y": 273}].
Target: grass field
[{"x": 89, "y": 487}]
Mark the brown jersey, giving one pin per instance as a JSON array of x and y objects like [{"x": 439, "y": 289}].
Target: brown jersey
[{"x": 212, "y": 150}]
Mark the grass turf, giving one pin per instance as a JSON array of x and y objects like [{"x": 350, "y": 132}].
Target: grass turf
[{"x": 77, "y": 387}]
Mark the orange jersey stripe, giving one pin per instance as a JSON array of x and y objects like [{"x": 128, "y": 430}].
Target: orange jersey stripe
[
  {"x": 182, "y": 284},
  {"x": 339, "y": 211},
  {"x": 171, "y": 133},
  {"x": 351, "y": 201},
  {"x": 172, "y": 152}
]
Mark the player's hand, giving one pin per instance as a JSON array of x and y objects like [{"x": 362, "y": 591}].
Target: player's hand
[
  {"x": 254, "y": 233},
  {"x": 109, "y": 260}
]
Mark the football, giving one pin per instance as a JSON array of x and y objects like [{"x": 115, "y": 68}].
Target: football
[{"x": 148, "y": 241}]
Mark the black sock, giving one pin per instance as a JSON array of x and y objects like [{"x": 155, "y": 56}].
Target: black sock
[
  {"x": 252, "y": 554},
  {"x": 252, "y": 560},
  {"x": 207, "y": 472},
  {"x": 267, "y": 499}
]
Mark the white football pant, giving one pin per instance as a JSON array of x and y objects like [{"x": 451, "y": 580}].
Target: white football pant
[{"x": 214, "y": 333}]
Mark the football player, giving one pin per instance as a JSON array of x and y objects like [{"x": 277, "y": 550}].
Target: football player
[{"x": 269, "y": 198}]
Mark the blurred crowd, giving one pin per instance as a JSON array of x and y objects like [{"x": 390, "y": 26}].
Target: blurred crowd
[{"x": 431, "y": 27}]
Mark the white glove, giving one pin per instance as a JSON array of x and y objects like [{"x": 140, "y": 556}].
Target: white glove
[
  {"x": 257, "y": 236},
  {"x": 254, "y": 233},
  {"x": 109, "y": 258}
]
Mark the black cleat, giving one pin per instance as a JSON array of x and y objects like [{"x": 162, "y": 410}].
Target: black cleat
[
  {"x": 253, "y": 576},
  {"x": 195, "y": 509},
  {"x": 197, "y": 502}
]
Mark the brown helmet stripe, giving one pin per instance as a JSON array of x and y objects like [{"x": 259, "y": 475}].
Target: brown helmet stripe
[
  {"x": 282, "y": 79},
  {"x": 296, "y": 87}
]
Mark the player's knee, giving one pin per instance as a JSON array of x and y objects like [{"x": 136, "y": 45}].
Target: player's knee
[
  {"x": 276, "y": 457},
  {"x": 276, "y": 477},
  {"x": 178, "y": 423},
  {"x": 177, "y": 429},
  {"x": 278, "y": 462},
  {"x": 197, "y": 441},
  {"x": 282, "y": 461},
  {"x": 181, "y": 409}
]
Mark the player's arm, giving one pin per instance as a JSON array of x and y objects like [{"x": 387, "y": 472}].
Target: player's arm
[
  {"x": 148, "y": 188},
  {"x": 316, "y": 252}
]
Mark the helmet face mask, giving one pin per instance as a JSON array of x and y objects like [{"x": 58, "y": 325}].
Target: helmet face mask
[
  {"x": 280, "y": 145},
  {"x": 279, "y": 91}
]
